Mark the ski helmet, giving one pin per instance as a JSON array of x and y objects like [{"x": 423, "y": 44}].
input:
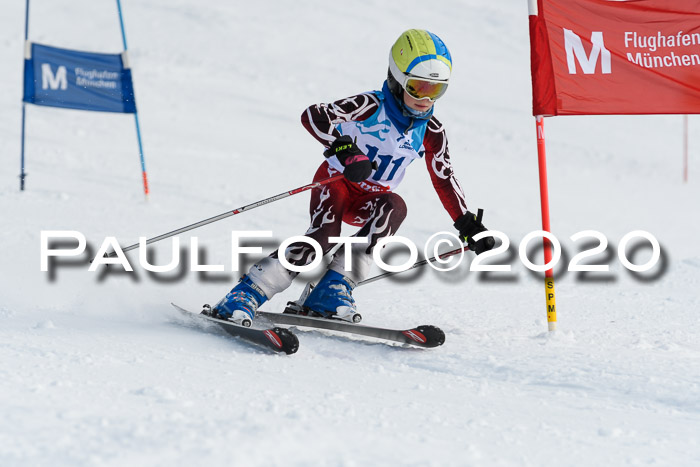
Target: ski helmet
[{"x": 420, "y": 64}]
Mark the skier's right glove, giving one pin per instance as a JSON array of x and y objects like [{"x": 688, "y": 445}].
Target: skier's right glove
[
  {"x": 357, "y": 165},
  {"x": 469, "y": 225}
]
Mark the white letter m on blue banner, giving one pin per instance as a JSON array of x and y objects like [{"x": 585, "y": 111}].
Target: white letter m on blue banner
[{"x": 49, "y": 80}]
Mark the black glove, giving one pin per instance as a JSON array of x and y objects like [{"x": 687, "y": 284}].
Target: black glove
[
  {"x": 357, "y": 165},
  {"x": 469, "y": 225}
]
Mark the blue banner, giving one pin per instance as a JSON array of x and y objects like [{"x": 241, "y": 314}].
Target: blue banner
[{"x": 78, "y": 80}]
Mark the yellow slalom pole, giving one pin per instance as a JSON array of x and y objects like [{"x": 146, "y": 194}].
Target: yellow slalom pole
[
  {"x": 544, "y": 201},
  {"x": 551, "y": 305}
]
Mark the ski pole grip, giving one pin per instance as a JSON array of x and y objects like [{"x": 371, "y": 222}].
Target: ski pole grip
[{"x": 479, "y": 215}]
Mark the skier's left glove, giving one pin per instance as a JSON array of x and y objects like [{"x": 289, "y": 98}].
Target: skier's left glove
[
  {"x": 468, "y": 225},
  {"x": 357, "y": 165}
]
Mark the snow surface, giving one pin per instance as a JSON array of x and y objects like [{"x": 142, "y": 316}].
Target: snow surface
[{"x": 97, "y": 369}]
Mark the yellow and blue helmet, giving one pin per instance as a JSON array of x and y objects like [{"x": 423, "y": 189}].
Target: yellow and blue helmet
[{"x": 420, "y": 64}]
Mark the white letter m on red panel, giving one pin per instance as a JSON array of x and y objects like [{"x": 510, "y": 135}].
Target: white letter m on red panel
[{"x": 575, "y": 52}]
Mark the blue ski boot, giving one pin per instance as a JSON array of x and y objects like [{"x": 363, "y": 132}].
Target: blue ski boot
[
  {"x": 332, "y": 298},
  {"x": 240, "y": 304}
]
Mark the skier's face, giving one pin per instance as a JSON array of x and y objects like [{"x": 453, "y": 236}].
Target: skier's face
[{"x": 422, "y": 105}]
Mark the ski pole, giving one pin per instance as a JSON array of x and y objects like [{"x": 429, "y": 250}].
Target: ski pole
[
  {"x": 479, "y": 217},
  {"x": 417, "y": 265},
  {"x": 224, "y": 215}
]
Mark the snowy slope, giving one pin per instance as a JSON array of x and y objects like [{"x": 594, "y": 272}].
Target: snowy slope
[{"x": 97, "y": 369}]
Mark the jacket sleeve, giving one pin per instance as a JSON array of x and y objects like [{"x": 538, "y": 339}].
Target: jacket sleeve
[
  {"x": 320, "y": 119},
  {"x": 437, "y": 158}
]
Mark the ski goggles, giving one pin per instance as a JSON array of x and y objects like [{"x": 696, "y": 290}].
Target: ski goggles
[{"x": 421, "y": 89}]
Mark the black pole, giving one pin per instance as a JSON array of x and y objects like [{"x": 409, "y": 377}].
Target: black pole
[{"x": 22, "y": 174}]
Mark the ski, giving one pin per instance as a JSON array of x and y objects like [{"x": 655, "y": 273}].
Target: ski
[
  {"x": 421, "y": 336},
  {"x": 274, "y": 338}
]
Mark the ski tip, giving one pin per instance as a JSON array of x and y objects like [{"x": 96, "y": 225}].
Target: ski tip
[
  {"x": 426, "y": 336},
  {"x": 288, "y": 340},
  {"x": 435, "y": 335}
]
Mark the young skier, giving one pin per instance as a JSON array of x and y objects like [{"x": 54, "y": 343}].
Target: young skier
[{"x": 391, "y": 128}]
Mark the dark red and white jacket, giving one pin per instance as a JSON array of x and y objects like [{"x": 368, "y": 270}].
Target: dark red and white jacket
[{"x": 393, "y": 141}]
